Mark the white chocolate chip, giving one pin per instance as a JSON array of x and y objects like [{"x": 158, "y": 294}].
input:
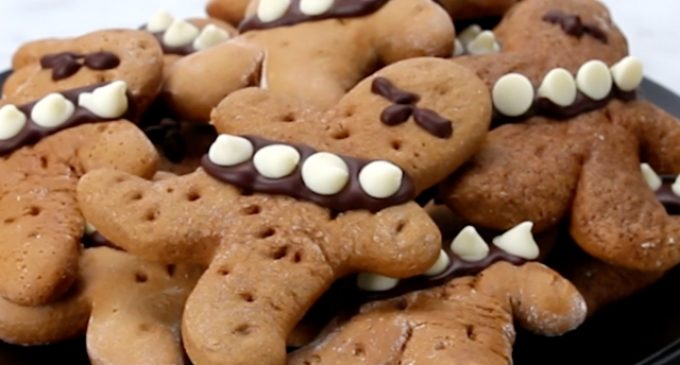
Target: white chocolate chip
[
  {"x": 325, "y": 173},
  {"x": 108, "y": 101},
  {"x": 628, "y": 73},
  {"x": 513, "y": 95},
  {"x": 519, "y": 241},
  {"x": 440, "y": 265},
  {"x": 210, "y": 36},
  {"x": 559, "y": 87},
  {"x": 458, "y": 48},
  {"x": 375, "y": 282},
  {"x": 180, "y": 33},
  {"x": 469, "y": 245},
  {"x": 52, "y": 111},
  {"x": 228, "y": 150},
  {"x": 159, "y": 22},
  {"x": 89, "y": 229},
  {"x": 12, "y": 121},
  {"x": 594, "y": 79},
  {"x": 315, "y": 7},
  {"x": 651, "y": 177},
  {"x": 270, "y": 10},
  {"x": 469, "y": 33},
  {"x": 276, "y": 161},
  {"x": 484, "y": 43},
  {"x": 380, "y": 179},
  {"x": 676, "y": 186}
]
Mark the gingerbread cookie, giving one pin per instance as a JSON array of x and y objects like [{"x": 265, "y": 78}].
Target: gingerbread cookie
[
  {"x": 333, "y": 46},
  {"x": 53, "y": 65},
  {"x": 576, "y": 150},
  {"x": 540, "y": 35},
  {"x": 129, "y": 309},
  {"x": 45, "y": 147},
  {"x": 468, "y": 320},
  {"x": 271, "y": 256}
]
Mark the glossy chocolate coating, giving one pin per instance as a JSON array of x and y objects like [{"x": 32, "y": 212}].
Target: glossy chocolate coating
[
  {"x": 32, "y": 132},
  {"x": 293, "y": 15},
  {"x": 405, "y": 105},
  {"x": 66, "y": 64},
  {"x": 574, "y": 26},
  {"x": 351, "y": 197}
]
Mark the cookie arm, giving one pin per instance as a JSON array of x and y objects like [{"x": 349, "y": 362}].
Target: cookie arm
[
  {"x": 400, "y": 241},
  {"x": 265, "y": 285},
  {"x": 616, "y": 216},
  {"x": 412, "y": 28},
  {"x": 659, "y": 132},
  {"x": 231, "y": 11},
  {"x": 161, "y": 221},
  {"x": 56, "y": 322},
  {"x": 541, "y": 300},
  {"x": 198, "y": 82}
]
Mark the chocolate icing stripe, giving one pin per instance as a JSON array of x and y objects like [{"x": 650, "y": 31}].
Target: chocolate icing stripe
[
  {"x": 32, "y": 132},
  {"x": 184, "y": 50},
  {"x": 667, "y": 197},
  {"x": 456, "y": 268},
  {"x": 293, "y": 15},
  {"x": 583, "y": 104},
  {"x": 352, "y": 197},
  {"x": 405, "y": 105},
  {"x": 574, "y": 26},
  {"x": 66, "y": 64}
]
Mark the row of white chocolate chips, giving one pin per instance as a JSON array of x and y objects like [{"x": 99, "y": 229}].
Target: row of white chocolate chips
[
  {"x": 513, "y": 94},
  {"x": 654, "y": 181},
  {"x": 323, "y": 173},
  {"x": 178, "y": 32},
  {"x": 475, "y": 41},
  {"x": 107, "y": 102},
  {"x": 271, "y": 10},
  {"x": 468, "y": 246}
]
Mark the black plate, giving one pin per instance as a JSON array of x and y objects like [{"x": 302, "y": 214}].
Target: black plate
[{"x": 642, "y": 330}]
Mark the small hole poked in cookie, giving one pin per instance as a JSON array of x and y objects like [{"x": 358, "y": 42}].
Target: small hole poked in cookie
[
  {"x": 244, "y": 329},
  {"x": 151, "y": 215},
  {"x": 289, "y": 118},
  {"x": 141, "y": 277},
  {"x": 170, "y": 270},
  {"x": 223, "y": 271},
  {"x": 193, "y": 196},
  {"x": 247, "y": 297},
  {"x": 266, "y": 232},
  {"x": 33, "y": 211},
  {"x": 358, "y": 350},
  {"x": 251, "y": 210},
  {"x": 341, "y": 134},
  {"x": 280, "y": 252}
]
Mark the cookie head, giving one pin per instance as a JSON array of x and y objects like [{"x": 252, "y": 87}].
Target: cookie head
[{"x": 46, "y": 66}]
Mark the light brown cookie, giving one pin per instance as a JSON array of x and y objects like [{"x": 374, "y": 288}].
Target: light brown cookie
[
  {"x": 46, "y": 66},
  {"x": 40, "y": 220},
  {"x": 231, "y": 11},
  {"x": 130, "y": 310},
  {"x": 316, "y": 59},
  {"x": 271, "y": 256},
  {"x": 467, "y": 321}
]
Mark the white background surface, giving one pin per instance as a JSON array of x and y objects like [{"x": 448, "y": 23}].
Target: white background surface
[{"x": 652, "y": 26}]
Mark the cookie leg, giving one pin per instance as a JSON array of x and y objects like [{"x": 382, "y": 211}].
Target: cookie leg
[
  {"x": 541, "y": 300},
  {"x": 40, "y": 240},
  {"x": 265, "y": 286}
]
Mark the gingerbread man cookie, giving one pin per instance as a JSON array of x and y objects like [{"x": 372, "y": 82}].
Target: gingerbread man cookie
[
  {"x": 313, "y": 53},
  {"x": 45, "y": 146},
  {"x": 270, "y": 256},
  {"x": 129, "y": 309},
  {"x": 581, "y": 160},
  {"x": 469, "y": 320},
  {"x": 51, "y": 65}
]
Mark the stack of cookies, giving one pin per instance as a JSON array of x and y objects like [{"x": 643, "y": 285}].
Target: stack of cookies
[{"x": 312, "y": 182}]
